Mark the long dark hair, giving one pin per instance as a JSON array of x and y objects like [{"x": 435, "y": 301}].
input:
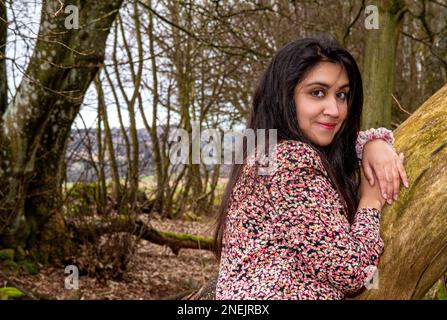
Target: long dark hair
[{"x": 274, "y": 108}]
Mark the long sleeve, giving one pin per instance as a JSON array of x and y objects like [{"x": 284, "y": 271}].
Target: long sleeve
[
  {"x": 371, "y": 134},
  {"x": 312, "y": 222}
]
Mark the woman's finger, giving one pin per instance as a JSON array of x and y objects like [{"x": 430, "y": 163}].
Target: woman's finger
[
  {"x": 381, "y": 179},
  {"x": 368, "y": 174},
  {"x": 402, "y": 172},
  {"x": 396, "y": 182},
  {"x": 389, "y": 184}
]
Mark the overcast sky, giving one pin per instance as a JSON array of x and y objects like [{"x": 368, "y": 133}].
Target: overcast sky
[{"x": 22, "y": 34}]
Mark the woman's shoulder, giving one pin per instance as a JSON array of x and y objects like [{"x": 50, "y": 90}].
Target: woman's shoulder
[{"x": 295, "y": 155}]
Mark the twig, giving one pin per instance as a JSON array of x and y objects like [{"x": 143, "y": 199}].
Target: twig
[
  {"x": 60, "y": 9},
  {"x": 400, "y": 107}
]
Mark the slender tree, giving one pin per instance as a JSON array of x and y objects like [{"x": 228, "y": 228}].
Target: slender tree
[{"x": 3, "y": 78}]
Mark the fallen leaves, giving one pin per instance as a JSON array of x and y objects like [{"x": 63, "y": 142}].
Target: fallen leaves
[{"x": 155, "y": 272}]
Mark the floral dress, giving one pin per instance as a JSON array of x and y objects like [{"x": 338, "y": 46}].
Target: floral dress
[{"x": 287, "y": 235}]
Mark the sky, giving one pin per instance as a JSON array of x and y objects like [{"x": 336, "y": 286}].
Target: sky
[{"x": 22, "y": 34}]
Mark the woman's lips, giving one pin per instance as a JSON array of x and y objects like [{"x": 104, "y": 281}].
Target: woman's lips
[{"x": 328, "y": 126}]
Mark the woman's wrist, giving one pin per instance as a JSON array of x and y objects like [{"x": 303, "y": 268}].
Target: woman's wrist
[
  {"x": 370, "y": 203},
  {"x": 370, "y": 135}
]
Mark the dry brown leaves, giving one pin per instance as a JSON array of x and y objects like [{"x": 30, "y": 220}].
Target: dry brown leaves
[{"x": 155, "y": 272}]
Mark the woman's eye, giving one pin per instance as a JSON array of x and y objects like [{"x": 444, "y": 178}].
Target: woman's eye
[
  {"x": 318, "y": 93},
  {"x": 343, "y": 95}
]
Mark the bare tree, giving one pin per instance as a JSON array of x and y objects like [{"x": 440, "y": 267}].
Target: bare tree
[
  {"x": 36, "y": 124},
  {"x": 115, "y": 177}
]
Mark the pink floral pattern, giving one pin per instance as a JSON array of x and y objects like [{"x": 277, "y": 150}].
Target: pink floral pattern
[
  {"x": 287, "y": 235},
  {"x": 371, "y": 134}
]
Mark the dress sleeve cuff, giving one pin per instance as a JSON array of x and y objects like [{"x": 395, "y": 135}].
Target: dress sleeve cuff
[
  {"x": 369, "y": 272},
  {"x": 372, "y": 134}
]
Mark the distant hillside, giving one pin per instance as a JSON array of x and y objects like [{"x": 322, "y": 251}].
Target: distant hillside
[{"x": 79, "y": 161}]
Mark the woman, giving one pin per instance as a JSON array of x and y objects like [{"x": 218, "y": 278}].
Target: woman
[{"x": 310, "y": 229}]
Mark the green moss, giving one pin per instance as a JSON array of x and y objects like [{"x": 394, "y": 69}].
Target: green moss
[
  {"x": 396, "y": 6},
  {"x": 7, "y": 254},
  {"x": 20, "y": 254},
  {"x": 84, "y": 191},
  {"x": 37, "y": 255},
  {"x": 190, "y": 216},
  {"x": 11, "y": 265},
  {"x": 29, "y": 267},
  {"x": 442, "y": 292},
  {"x": 184, "y": 236},
  {"x": 10, "y": 293}
]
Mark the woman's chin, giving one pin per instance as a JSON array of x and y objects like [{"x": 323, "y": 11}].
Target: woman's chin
[{"x": 322, "y": 141}]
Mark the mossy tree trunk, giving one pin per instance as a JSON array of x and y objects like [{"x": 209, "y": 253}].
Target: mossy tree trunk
[
  {"x": 37, "y": 122},
  {"x": 379, "y": 64},
  {"x": 414, "y": 228}
]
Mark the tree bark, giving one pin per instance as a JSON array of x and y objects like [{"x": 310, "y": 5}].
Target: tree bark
[
  {"x": 379, "y": 65},
  {"x": 3, "y": 78},
  {"x": 101, "y": 186},
  {"x": 37, "y": 123},
  {"x": 414, "y": 228}
]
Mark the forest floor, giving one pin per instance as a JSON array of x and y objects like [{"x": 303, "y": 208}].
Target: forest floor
[{"x": 154, "y": 273}]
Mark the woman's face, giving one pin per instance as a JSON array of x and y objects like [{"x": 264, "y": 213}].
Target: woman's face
[{"x": 321, "y": 102}]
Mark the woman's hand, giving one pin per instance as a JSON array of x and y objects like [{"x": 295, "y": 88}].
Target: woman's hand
[
  {"x": 380, "y": 162},
  {"x": 370, "y": 196}
]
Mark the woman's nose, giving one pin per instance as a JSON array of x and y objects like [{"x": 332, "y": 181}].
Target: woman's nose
[{"x": 331, "y": 108}]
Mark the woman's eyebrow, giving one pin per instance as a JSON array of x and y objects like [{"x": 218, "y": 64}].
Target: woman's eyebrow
[{"x": 326, "y": 85}]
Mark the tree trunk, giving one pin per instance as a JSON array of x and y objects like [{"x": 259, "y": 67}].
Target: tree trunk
[
  {"x": 114, "y": 173},
  {"x": 37, "y": 123},
  {"x": 134, "y": 164},
  {"x": 414, "y": 228},
  {"x": 3, "y": 78},
  {"x": 101, "y": 187},
  {"x": 379, "y": 65},
  {"x": 159, "y": 158}
]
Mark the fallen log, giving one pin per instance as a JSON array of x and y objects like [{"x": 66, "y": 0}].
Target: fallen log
[{"x": 175, "y": 241}]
